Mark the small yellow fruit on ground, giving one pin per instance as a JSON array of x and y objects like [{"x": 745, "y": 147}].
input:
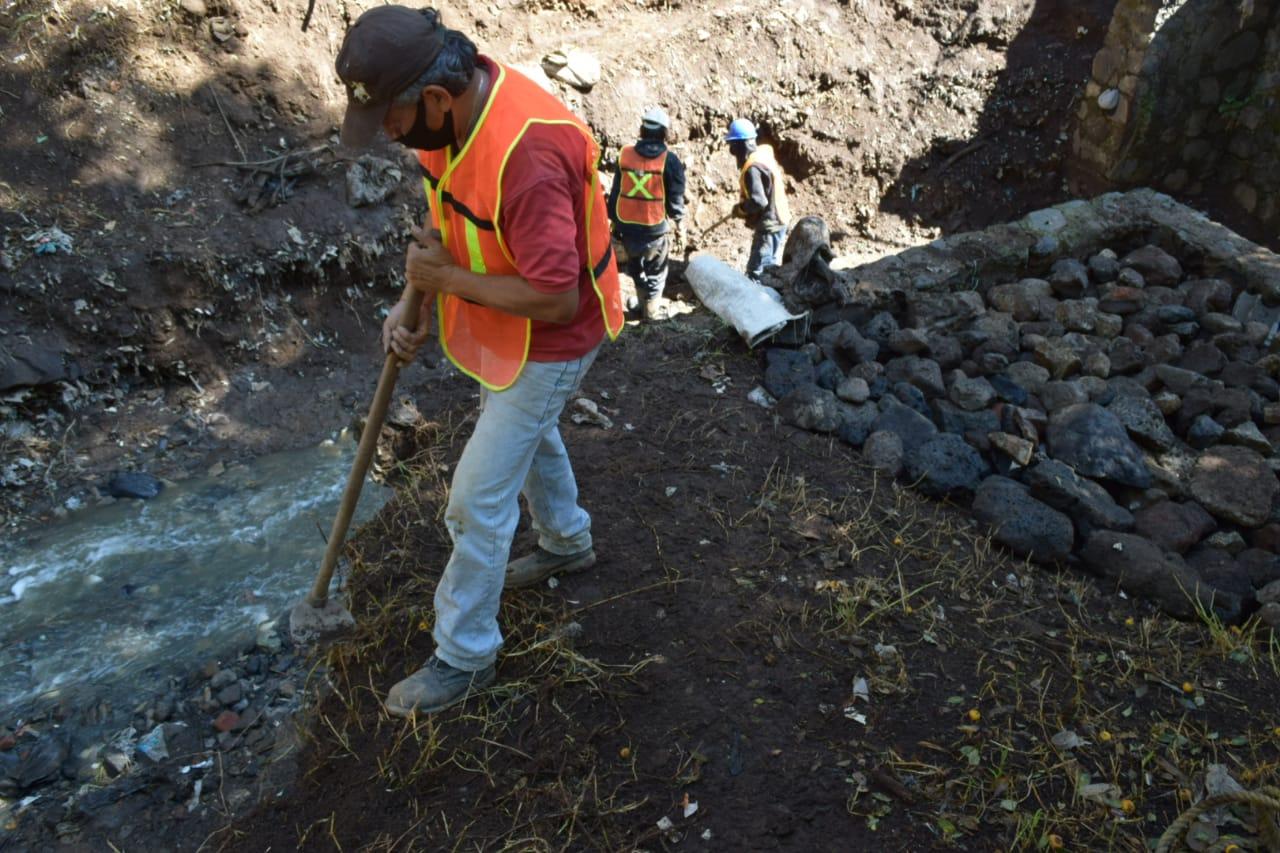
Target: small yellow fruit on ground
[
  {"x": 975, "y": 714},
  {"x": 1129, "y": 623},
  {"x": 1188, "y": 687},
  {"x": 1104, "y": 736},
  {"x": 625, "y": 752},
  {"x": 1056, "y": 842},
  {"x": 1127, "y": 806}
]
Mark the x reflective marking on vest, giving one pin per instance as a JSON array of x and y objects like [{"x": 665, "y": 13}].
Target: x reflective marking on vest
[{"x": 639, "y": 184}]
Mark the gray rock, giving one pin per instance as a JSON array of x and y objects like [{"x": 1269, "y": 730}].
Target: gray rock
[
  {"x": 1078, "y": 315},
  {"x": 1008, "y": 389},
  {"x": 1269, "y": 615},
  {"x": 222, "y": 678},
  {"x": 1228, "y": 540},
  {"x": 1204, "y": 358},
  {"x": 1094, "y": 442},
  {"x": 135, "y": 485},
  {"x": 842, "y": 343},
  {"x": 1125, "y": 356},
  {"x": 1129, "y": 277},
  {"x": 881, "y": 328},
  {"x": 909, "y": 395},
  {"x": 1058, "y": 395},
  {"x": 953, "y": 419},
  {"x": 908, "y": 341},
  {"x": 1269, "y": 594},
  {"x": 1204, "y": 432},
  {"x": 1104, "y": 266},
  {"x": 1178, "y": 380},
  {"x": 1097, "y": 364},
  {"x": 812, "y": 408},
  {"x": 970, "y": 394},
  {"x": 24, "y": 363},
  {"x": 1167, "y": 402},
  {"x": 913, "y": 428},
  {"x": 1029, "y": 375},
  {"x": 1219, "y": 324},
  {"x": 1017, "y": 448},
  {"x": 1121, "y": 300},
  {"x": 1207, "y": 296},
  {"x": 787, "y": 369},
  {"x": 946, "y": 466},
  {"x": 1235, "y": 484},
  {"x": 1143, "y": 419},
  {"x": 1141, "y": 568},
  {"x": 1088, "y": 504},
  {"x": 942, "y": 311},
  {"x": 853, "y": 389},
  {"x": 923, "y": 373},
  {"x": 1157, "y": 266},
  {"x": 1021, "y": 523},
  {"x": 1069, "y": 278},
  {"x": 855, "y": 423},
  {"x": 946, "y": 350},
  {"x": 1174, "y": 526},
  {"x": 1248, "y": 435},
  {"x": 1058, "y": 358},
  {"x": 828, "y": 375},
  {"x": 883, "y": 451},
  {"x": 1021, "y": 300}
]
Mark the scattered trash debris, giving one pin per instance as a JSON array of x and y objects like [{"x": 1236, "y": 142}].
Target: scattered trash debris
[
  {"x": 1067, "y": 739},
  {"x": 579, "y": 69},
  {"x": 665, "y": 824},
  {"x": 371, "y": 179},
  {"x": 861, "y": 690},
  {"x": 762, "y": 398},
  {"x": 153, "y": 746},
  {"x": 50, "y": 241},
  {"x": 588, "y": 412}
]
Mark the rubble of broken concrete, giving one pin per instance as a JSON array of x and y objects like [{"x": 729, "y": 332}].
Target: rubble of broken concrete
[{"x": 1098, "y": 381}]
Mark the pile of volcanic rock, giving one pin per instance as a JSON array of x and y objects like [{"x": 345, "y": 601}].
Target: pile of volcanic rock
[{"x": 1117, "y": 414}]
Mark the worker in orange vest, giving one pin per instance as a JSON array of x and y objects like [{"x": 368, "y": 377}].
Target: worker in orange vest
[
  {"x": 646, "y": 205},
  {"x": 763, "y": 201},
  {"x": 519, "y": 262}
]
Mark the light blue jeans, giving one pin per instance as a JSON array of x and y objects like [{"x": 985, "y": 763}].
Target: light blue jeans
[{"x": 515, "y": 448}]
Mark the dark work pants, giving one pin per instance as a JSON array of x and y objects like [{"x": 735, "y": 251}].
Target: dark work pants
[
  {"x": 766, "y": 251},
  {"x": 647, "y": 265}
]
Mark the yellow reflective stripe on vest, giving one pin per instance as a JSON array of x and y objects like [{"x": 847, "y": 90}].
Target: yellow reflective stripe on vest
[{"x": 474, "y": 253}]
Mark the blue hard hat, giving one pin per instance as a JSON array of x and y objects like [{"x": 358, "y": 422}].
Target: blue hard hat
[{"x": 740, "y": 129}]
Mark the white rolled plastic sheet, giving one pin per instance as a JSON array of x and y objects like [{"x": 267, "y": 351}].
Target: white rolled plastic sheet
[{"x": 755, "y": 311}]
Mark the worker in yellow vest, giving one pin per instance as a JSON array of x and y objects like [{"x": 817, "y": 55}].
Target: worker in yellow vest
[
  {"x": 519, "y": 262},
  {"x": 646, "y": 206},
  {"x": 763, "y": 200}
]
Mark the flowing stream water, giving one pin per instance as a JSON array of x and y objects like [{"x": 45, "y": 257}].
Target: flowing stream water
[{"x": 115, "y": 599}]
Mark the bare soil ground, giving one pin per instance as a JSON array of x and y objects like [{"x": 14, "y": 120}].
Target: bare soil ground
[
  {"x": 754, "y": 581},
  {"x": 751, "y": 574}
]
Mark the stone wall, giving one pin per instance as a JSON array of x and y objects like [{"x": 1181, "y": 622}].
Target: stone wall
[
  {"x": 1183, "y": 97},
  {"x": 1099, "y": 381}
]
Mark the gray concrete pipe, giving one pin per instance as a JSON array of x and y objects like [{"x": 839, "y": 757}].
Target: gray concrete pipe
[{"x": 754, "y": 310}]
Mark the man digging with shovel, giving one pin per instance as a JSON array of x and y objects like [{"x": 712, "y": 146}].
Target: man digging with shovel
[{"x": 526, "y": 289}]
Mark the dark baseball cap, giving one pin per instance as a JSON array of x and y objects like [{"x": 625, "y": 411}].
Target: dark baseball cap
[{"x": 384, "y": 52}]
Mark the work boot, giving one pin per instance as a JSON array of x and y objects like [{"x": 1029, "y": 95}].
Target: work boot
[
  {"x": 435, "y": 687},
  {"x": 534, "y": 568},
  {"x": 655, "y": 309}
]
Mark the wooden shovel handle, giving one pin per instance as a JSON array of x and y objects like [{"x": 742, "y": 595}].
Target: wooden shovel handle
[{"x": 364, "y": 455}]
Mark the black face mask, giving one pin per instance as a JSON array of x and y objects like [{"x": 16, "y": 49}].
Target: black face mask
[{"x": 423, "y": 138}]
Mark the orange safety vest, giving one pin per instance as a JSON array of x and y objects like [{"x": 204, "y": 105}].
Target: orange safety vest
[
  {"x": 464, "y": 192},
  {"x": 763, "y": 156},
  {"x": 642, "y": 199}
]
